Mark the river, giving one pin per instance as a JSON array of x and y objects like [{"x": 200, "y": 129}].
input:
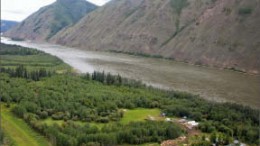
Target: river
[{"x": 209, "y": 83}]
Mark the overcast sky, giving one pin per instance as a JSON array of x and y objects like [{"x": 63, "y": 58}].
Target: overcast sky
[{"x": 20, "y": 9}]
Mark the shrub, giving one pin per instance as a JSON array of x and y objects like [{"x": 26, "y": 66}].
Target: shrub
[{"x": 245, "y": 11}]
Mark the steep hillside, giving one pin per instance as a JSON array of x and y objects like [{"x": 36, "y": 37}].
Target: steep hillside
[
  {"x": 6, "y": 25},
  {"x": 47, "y": 21},
  {"x": 219, "y": 33}
]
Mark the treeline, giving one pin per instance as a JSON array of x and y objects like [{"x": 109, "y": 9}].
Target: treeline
[
  {"x": 22, "y": 72},
  {"x": 71, "y": 134},
  {"x": 109, "y": 79},
  {"x": 102, "y": 77},
  {"x": 140, "y": 54},
  {"x": 17, "y": 50}
]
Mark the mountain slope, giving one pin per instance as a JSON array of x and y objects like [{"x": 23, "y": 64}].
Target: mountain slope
[
  {"x": 50, "y": 19},
  {"x": 6, "y": 25},
  {"x": 217, "y": 33}
]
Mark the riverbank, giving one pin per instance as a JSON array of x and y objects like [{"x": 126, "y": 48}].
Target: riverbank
[{"x": 209, "y": 83}]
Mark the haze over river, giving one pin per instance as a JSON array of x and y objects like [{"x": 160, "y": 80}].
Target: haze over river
[{"x": 209, "y": 83}]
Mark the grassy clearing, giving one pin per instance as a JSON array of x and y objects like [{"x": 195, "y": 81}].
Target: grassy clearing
[
  {"x": 19, "y": 132},
  {"x": 134, "y": 115},
  {"x": 139, "y": 115}
]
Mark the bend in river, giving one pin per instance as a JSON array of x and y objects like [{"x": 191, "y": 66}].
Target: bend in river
[{"x": 209, "y": 83}]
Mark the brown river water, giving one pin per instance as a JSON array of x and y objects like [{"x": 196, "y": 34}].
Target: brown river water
[{"x": 209, "y": 83}]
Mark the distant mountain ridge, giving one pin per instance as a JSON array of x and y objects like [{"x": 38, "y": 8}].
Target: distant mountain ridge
[
  {"x": 50, "y": 19},
  {"x": 7, "y": 24}
]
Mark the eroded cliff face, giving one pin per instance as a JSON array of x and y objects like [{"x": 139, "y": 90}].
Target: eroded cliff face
[
  {"x": 219, "y": 33},
  {"x": 47, "y": 21}
]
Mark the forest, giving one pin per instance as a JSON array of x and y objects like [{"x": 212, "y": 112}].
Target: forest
[{"x": 83, "y": 101}]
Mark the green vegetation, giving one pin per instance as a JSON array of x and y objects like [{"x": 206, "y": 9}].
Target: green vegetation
[
  {"x": 178, "y": 30},
  {"x": 133, "y": 115},
  {"x": 138, "y": 54},
  {"x": 113, "y": 134},
  {"x": 178, "y": 6},
  {"x": 19, "y": 132},
  {"x": 13, "y": 56},
  {"x": 139, "y": 115},
  {"x": 2, "y": 136},
  {"x": 245, "y": 11},
  {"x": 71, "y": 109}
]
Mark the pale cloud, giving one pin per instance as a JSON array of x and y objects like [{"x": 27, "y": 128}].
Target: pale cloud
[{"x": 18, "y": 10}]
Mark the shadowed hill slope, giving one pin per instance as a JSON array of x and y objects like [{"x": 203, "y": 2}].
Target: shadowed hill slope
[{"x": 50, "y": 19}]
